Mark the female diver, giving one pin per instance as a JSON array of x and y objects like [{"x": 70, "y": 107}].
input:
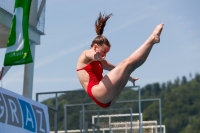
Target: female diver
[{"x": 104, "y": 90}]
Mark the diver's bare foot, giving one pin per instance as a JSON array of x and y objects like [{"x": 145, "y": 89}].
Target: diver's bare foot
[{"x": 156, "y": 33}]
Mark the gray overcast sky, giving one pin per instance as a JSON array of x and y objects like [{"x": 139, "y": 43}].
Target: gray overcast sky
[{"x": 69, "y": 29}]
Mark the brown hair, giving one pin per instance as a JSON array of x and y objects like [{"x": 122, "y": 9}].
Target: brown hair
[{"x": 99, "y": 27}]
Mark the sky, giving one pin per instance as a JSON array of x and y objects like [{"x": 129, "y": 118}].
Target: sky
[{"x": 69, "y": 30}]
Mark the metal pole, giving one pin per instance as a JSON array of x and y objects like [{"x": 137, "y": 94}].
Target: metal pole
[
  {"x": 139, "y": 106},
  {"x": 36, "y": 97},
  {"x": 160, "y": 115},
  {"x": 156, "y": 127},
  {"x": 80, "y": 122},
  {"x": 94, "y": 124},
  {"x": 93, "y": 129},
  {"x": 131, "y": 120},
  {"x": 98, "y": 120},
  {"x": 110, "y": 124},
  {"x": 126, "y": 128},
  {"x": 83, "y": 108},
  {"x": 98, "y": 129},
  {"x": 56, "y": 115},
  {"x": 65, "y": 118},
  {"x": 55, "y": 123},
  {"x": 86, "y": 127}
]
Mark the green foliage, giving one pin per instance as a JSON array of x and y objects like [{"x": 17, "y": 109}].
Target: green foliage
[{"x": 180, "y": 105}]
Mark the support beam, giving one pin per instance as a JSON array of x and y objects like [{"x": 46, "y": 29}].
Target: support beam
[
  {"x": 41, "y": 9},
  {"x": 33, "y": 13},
  {"x": 28, "y": 75}
]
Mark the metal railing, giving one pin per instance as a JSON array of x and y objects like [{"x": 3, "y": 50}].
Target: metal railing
[{"x": 55, "y": 109}]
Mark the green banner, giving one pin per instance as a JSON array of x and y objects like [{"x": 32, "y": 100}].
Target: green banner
[{"x": 18, "y": 47}]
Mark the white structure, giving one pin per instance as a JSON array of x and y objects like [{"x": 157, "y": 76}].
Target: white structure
[
  {"x": 150, "y": 126},
  {"x": 36, "y": 29},
  {"x": 117, "y": 115},
  {"x": 114, "y": 115}
]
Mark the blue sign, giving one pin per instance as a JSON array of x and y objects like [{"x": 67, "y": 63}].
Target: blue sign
[{"x": 17, "y": 111}]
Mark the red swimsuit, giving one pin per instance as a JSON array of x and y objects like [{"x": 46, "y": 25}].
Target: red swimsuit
[{"x": 94, "y": 70}]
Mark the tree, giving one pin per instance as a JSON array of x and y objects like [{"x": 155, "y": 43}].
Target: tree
[
  {"x": 190, "y": 75},
  {"x": 197, "y": 77},
  {"x": 169, "y": 85},
  {"x": 163, "y": 86},
  {"x": 184, "y": 80},
  {"x": 156, "y": 88},
  {"x": 176, "y": 82},
  {"x": 148, "y": 87}
]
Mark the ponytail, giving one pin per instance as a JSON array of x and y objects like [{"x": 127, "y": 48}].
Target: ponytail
[
  {"x": 99, "y": 27},
  {"x": 101, "y": 22}
]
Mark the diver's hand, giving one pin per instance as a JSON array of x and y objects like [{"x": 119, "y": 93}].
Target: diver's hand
[{"x": 98, "y": 57}]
